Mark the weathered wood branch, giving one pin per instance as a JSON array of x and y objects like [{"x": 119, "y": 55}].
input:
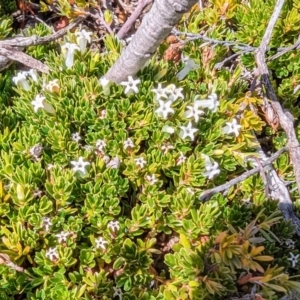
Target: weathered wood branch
[{"x": 156, "y": 26}]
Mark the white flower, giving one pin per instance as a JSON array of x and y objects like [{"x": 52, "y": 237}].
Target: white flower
[
  {"x": 100, "y": 243},
  {"x": 181, "y": 159},
  {"x": 76, "y": 137},
  {"x": 69, "y": 50},
  {"x": 160, "y": 92},
  {"x": 173, "y": 92},
  {"x": 140, "y": 162},
  {"x": 152, "y": 179},
  {"x": 105, "y": 83},
  {"x": 50, "y": 166},
  {"x": 80, "y": 165},
  {"x": 52, "y": 86},
  {"x": 232, "y": 127},
  {"x": 164, "y": 109},
  {"x": 188, "y": 131},
  {"x": 193, "y": 112},
  {"x": 52, "y": 254},
  {"x": 100, "y": 145},
  {"x": 88, "y": 148},
  {"x": 114, "y": 163},
  {"x": 290, "y": 243},
  {"x": 82, "y": 38},
  {"x": 20, "y": 80},
  {"x": 39, "y": 102},
  {"x": 189, "y": 65},
  {"x": 62, "y": 237},
  {"x": 47, "y": 223},
  {"x": 131, "y": 86},
  {"x": 114, "y": 225},
  {"x": 166, "y": 148},
  {"x": 103, "y": 114},
  {"x": 118, "y": 293},
  {"x": 293, "y": 259},
  {"x": 211, "y": 103},
  {"x": 36, "y": 151},
  {"x": 128, "y": 144},
  {"x": 211, "y": 169},
  {"x": 33, "y": 74},
  {"x": 168, "y": 129}
]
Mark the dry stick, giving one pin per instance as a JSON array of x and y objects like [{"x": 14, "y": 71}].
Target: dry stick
[
  {"x": 286, "y": 50},
  {"x": 21, "y": 57},
  {"x": 130, "y": 21},
  {"x": 35, "y": 40},
  {"x": 209, "y": 193},
  {"x": 11, "y": 49},
  {"x": 285, "y": 119}
]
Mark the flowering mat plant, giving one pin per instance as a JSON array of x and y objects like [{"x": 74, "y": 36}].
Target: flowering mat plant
[{"x": 165, "y": 186}]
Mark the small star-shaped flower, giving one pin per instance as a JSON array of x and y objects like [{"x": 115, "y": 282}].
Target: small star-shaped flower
[
  {"x": 193, "y": 112},
  {"x": 140, "y": 162},
  {"x": 76, "y": 137},
  {"x": 80, "y": 165},
  {"x": 62, "y": 237},
  {"x": 118, "y": 293},
  {"x": 47, "y": 223},
  {"x": 181, "y": 159},
  {"x": 164, "y": 109},
  {"x": 128, "y": 144},
  {"x": 293, "y": 259},
  {"x": 174, "y": 93},
  {"x": 100, "y": 145},
  {"x": 52, "y": 254},
  {"x": 114, "y": 225},
  {"x": 232, "y": 127},
  {"x": 131, "y": 86},
  {"x": 152, "y": 179},
  {"x": 212, "y": 169},
  {"x": 39, "y": 102},
  {"x": 160, "y": 92},
  {"x": 100, "y": 243},
  {"x": 188, "y": 131},
  {"x": 21, "y": 80}
]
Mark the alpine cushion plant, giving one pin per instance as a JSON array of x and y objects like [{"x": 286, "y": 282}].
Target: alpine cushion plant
[{"x": 100, "y": 195}]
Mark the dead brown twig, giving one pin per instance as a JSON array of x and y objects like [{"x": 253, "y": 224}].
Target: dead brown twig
[
  {"x": 285, "y": 119},
  {"x": 130, "y": 21}
]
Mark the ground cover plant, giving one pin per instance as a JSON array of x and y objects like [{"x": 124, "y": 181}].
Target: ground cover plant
[{"x": 102, "y": 185}]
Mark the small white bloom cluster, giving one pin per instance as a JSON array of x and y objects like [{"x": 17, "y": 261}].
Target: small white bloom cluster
[
  {"x": 21, "y": 78},
  {"x": 68, "y": 49}
]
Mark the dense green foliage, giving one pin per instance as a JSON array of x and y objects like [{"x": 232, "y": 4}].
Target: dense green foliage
[{"x": 99, "y": 188}]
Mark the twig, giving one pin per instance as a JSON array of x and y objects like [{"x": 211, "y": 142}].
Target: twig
[
  {"x": 21, "y": 57},
  {"x": 41, "y": 21},
  {"x": 285, "y": 119},
  {"x": 285, "y": 50},
  {"x": 130, "y": 21},
  {"x": 192, "y": 37},
  {"x": 209, "y": 193},
  {"x": 21, "y": 41},
  {"x": 101, "y": 20}
]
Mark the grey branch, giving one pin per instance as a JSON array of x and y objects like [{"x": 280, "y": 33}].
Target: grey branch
[
  {"x": 155, "y": 27},
  {"x": 130, "y": 21},
  {"x": 11, "y": 49},
  {"x": 209, "y": 193},
  {"x": 285, "y": 118}
]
